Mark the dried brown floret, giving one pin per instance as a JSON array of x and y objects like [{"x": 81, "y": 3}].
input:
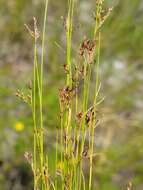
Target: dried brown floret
[
  {"x": 87, "y": 49},
  {"x": 34, "y": 33},
  {"x": 65, "y": 95},
  {"x": 66, "y": 69},
  {"x": 89, "y": 115},
  {"x": 28, "y": 157},
  {"x": 85, "y": 152},
  {"x": 79, "y": 117}
]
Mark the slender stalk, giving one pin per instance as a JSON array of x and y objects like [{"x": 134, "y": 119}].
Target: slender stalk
[
  {"x": 69, "y": 37},
  {"x": 41, "y": 92},
  {"x": 92, "y": 126},
  {"x": 56, "y": 161},
  {"x": 34, "y": 117}
]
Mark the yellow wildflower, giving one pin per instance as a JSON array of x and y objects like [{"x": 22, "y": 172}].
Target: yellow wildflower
[
  {"x": 60, "y": 167},
  {"x": 19, "y": 126}
]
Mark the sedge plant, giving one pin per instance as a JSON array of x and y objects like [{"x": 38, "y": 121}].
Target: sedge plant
[{"x": 78, "y": 116}]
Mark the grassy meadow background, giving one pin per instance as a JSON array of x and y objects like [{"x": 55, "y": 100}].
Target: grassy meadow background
[{"x": 119, "y": 139}]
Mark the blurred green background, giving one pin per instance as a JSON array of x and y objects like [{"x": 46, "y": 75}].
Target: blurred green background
[{"x": 120, "y": 135}]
